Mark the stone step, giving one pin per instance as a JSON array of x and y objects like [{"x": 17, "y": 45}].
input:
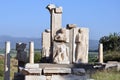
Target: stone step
[
  {"x": 43, "y": 65},
  {"x": 57, "y": 70}
]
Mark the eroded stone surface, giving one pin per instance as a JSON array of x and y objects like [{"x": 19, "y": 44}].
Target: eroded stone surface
[
  {"x": 61, "y": 53},
  {"x": 68, "y": 77},
  {"x": 28, "y": 65},
  {"x": 70, "y": 26},
  {"x": 80, "y": 46},
  {"x": 56, "y": 70},
  {"x": 32, "y": 71},
  {"x": 46, "y": 44},
  {"x": 35, "y": 77}
]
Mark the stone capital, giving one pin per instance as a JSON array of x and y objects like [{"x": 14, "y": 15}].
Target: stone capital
[
  {"x": 58, "y": 10},
  {"x": 50, "y": 7}
]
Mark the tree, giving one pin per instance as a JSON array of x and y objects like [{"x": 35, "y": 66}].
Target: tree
[
  {"x": 111, "y": 42},
  {"x": 111, "y": 47}
]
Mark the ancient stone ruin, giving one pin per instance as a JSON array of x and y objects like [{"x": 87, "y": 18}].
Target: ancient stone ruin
[
  {"x": 64, "y": 52},
  {"x": 64, "y": 45}
]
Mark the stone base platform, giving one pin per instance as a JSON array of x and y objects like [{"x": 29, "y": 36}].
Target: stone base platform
[
  {"x": 56, "y": 70},
  {"x": 56, "y": 77},
  {"x": 44, "y": 65},
  {"x": 46, "y": 71},
  {"x": 50, "y": 69}
]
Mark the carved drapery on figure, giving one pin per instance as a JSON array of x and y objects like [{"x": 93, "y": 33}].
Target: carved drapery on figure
[
  {"x": 79, "y": 51},
  {"x": 61, "y": 51},
  {"x": 69, "y": 38},
  {"x": 61, "y": 54},
  {"x": 61, "y": 36}
]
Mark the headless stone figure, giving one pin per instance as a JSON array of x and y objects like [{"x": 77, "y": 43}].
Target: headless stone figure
[
  {"x": 61, "y": 52},
  {"x": 79, "y": 51}
]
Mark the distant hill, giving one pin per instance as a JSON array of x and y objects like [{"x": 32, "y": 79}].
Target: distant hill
[
  {"x": 93, "y": 44},
  {"x": 14, "y": 40}
]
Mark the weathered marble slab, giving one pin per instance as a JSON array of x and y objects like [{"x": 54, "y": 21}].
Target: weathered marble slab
[
  {"x": 80, "y": 45},
  {"x": 35, "y": 77},
  {"x": 56, "y": 70},
  {"x": 28, "y": 71},
  {"x": 68, "y": 77},
  {"x": 46, "y": 39},
  {"x": 70, "y": 26},
  {"x": 28, "y": 65}
]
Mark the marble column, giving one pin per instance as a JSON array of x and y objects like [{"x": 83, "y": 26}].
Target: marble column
[
  {"x": 55, "y": 23},
  {"x": 7, "y": 61},
  {"x": 56, "y": 18},
  {"x": 100, "y": 53},
  {"x": 31, "y": 52}
]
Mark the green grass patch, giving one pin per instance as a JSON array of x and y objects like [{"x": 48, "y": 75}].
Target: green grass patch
[
  {"x": 106, "y": 75},
  {"x": 93, "y": 57}
]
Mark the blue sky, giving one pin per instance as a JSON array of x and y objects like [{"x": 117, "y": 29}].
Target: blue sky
[{"x": 29, "y": 18}]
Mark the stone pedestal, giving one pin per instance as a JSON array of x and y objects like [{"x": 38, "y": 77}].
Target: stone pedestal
[
  {"x": 100, "y": 53},
  {"x": 31, "y": 52},
  {"x": 7, "y": 61}
]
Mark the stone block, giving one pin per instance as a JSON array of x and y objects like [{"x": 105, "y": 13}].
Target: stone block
[
  {"x": 35, "y": 71},
  {"x": 46, "y": 44},
  {"x": 28, "y": 65},
  {"x": 70, "y": 26},
  {"x": 118, "y": 67},
  {"x": 47, "y": 30},
  {"x": 110, "y": 65},
  {"x": 56, "y": 70},
  {"x": 79, "y": 71},
  {"x": 35, "y": 77},
  {"x": 58, "y": 10},
  {"x": 68, "y": 77},
  {"x": 46, "y": 39},
  {"x": 50, "y": 7},
  {"x": 80, "y": 51},
  {"x": 67, "y": 35},
  {"x": 60, "y": 53},
  {"x": 74, "y": 33}
]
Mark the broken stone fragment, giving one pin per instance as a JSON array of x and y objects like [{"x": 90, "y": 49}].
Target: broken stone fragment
[
  {"x": 70, "y": 26},
  {"x": 47, "y": 30}
]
